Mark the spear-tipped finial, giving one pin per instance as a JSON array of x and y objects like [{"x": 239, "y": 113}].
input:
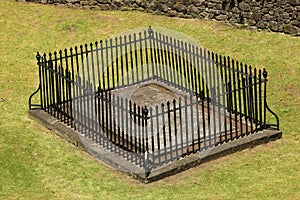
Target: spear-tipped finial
[
  {"x": 145, "y": 111},
  {"x": 265, "y": 73},
  {"x": 150, "y": 31}
]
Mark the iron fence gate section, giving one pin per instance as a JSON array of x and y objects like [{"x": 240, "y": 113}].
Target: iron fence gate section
[{"x": 223, "y": 99}]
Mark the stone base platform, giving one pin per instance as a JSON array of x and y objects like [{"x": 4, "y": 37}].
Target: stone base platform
[{"x": 167, "y": 170}]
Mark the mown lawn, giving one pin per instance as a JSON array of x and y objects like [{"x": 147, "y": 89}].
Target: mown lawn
[{"x": 37, "y": 164}]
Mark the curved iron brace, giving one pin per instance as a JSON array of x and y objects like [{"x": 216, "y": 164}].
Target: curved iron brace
[
  {"x": 30, "y": 98},
  {"x": 277, "y": 119},
  {"x": 265, "y": 75}
]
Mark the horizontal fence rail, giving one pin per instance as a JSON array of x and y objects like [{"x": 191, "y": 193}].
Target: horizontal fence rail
[{"x": 215, "y": 98}]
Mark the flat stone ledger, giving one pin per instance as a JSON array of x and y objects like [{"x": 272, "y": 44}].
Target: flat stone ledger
[
  {"x": 179, "y": 129},
  {"x": 153, "y": 94}
]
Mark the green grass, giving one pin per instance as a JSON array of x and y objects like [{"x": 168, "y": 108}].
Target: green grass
[{"x": 37, "y": 164}]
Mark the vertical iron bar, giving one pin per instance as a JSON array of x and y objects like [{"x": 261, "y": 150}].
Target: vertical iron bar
[
  {"x": 193, "y": 69},
  {"x": 70, "y": 118},
  {"x": 114, "y": 128},
  {"x": 169, "y": 61},
  {"x": 101, "y": 121},
  {"x": 67, "y": 88},
  {"x": 111, "y": 114},
  {"x": 158, "y": 133},
  {"x": 165, "y": 65},
  {"x": 121, "y": 137},
  {"x": 135, "y": 131},
  {"x": 205, "y": 88},
  {"x": 126, "y": 58},
  {"x": 164, "y": 131},
  {"x": 131, "y": 59},
  {"x": 246, "y": 97},
  {"x": 229, "y": 91},
  {"x": 202, "y": 94},
  {"x": 152, "y": 135},
  {"x": 128, "y": 128},
  {"x": 172, "y": 63},
  {"x": 145, "y": 135},
  {"x": 87, "y": 63},
  {"x": 244, "y": 88},
  {"x": 99, "y": 110},
  {"x": 107, "y": 65},
  {"x": 213, "y": 94},
  {"x": 88, "y": 109},
  {"x": 60, "y": 72},
  {"x": 80, "y": 108},
  {"x": 251, "y": 104},
  {"x": 122, "y": 60},
  {"x": 192, "y": 123},
  {"x": 255, "y": 100},
  {"x": 112, "y": 62},
  {"x": 141, "y": 55},
  {"x": 181, "y": 125},
  {"x": 184, "y": 65},
  {"x": 157, "y": 57},
  {"x": 72, "y": 87},
  {"x": 145, "y": 139},
  {"x": 147, "y": 55},
  {"x": 235, "y": 97},
  {"x": 57, "y": 88},
  {"x": 175, "y": 126},
  {"x": 170, "y": 130},
  {"x": 186, "y": 124},
  {"x": 105, "y": 98},
  {"x": 136, "y": 57},
  {"x": 45, "y": 84},
  {"x": 93, "y": 68},
  {"x": 138, "y": 135},
  {"x": 265, "y": 75},
  {"x": 189, "y": 66},
  {"x": 131, "y": 130},
  {"x": 152, "y": 51},
  {"x": 161, "y": 55},
  {"x": 117, "y": 63},
  {"x": 260, "y": 99},
  {"x": 222, "y": 94},
  {"x": 240, "y": 97},
  {"x": 51, "y": 85},
  {"x": 38, "y": 58},
  {"x": 76, "y": 94},
  {"x": 218, "y": 71},
  {"x": 97, "y": 64},
  {"x": 77, "y": 113},
  {"x": 102, "y": 76},
  {"x": 177, "y": 62}
]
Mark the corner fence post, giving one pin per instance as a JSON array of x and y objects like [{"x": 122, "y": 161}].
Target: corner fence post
[
  {"x": 266, "y": 107},
  {"x": 38, "y": 57},
  {"x": 145, "y": 112},
  {"x": 265, "y": 75}
]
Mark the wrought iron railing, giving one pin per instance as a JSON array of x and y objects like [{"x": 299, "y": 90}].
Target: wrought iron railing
[{"x": 215, "y": 98}]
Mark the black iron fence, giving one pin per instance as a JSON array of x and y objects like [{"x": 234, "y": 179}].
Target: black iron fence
[{"x": 212, "y": 99}]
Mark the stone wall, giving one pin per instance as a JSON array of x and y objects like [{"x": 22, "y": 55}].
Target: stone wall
[{"x": 274, "y": 15}]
